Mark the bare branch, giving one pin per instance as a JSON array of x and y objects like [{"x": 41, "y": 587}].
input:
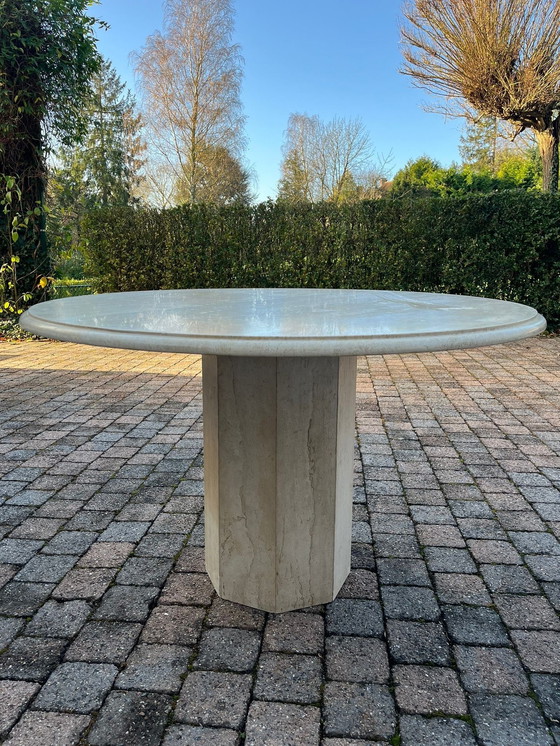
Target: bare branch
[{"x": 500, "y": 57}]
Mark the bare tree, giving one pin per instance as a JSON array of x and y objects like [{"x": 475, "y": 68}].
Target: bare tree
[
  {"x": 500, "y": 57},
  {"x": 322, "y": 160},
  {"x": 190, "y": 76}
]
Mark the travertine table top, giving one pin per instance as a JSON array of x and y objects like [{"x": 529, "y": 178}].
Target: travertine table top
[{"x": 283, "y": 322}]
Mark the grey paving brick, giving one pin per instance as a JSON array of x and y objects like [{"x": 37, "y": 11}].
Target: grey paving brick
[
  {"x": 390, "y": 545},
  {"x": 224, "y": 613},
  {"x": 224, "y": 649},
  {"x": 446, "y": 559},
  {"x": 421, "y": 731},
  {"x": 107, "y": 502},
  {"x": 457, "y": 588},
  {"x": 174, "y": 625},
  {"x": 349, "y": 616},
  {"x": 548, "y": 511},
  {"x": 14, "y": 697},
  {"x": 139, "y": 512},
  {"x": 361, "y": 583},
  {"x": 84, "y": 583},
  {"x": 191, "y": 558},
  {"x": 391, "y": 523},
  {"x": 544, "y": 568},
  {"x": 402, "y": 602},
  {"x": 30, "y": 497},
  {"x": 185, "y": 504},
  {"x": 547, "y": 688},
  {"x": 127, "y": 531},
  {"x": 90, "y": 520},
  {"x": 37, "y": 528},
  {"x": 13, "y": 515},
  {"x": 188, "y": 588},
  {"x": 48, "y": 729},
  {"x": 59, "y": 619},
  {"x": 70, "y": 542},
  {"x": 475, "y": 625},
  {"x": 520, "y": 521},
  {"x": 481, "y": 529},
  {"x": 176, "y": 523},
  {"x": 418, "y": 642},
  {"x": 161, "y": 545},
  {"x": 527, "y": 612},
  {"x": 9, "y": 628},
  {"x": 294, "y": 632},
  {"x": 106, "y": 554},
  {"x": 47, "y": 568},
  {"x": 498, "y": 552},
  {"x": 346, "y": 742},
  {"x": 503, "y": 720},
  {"x": 361, "y": 558},
  {"x": 428, "y": 690},
  {"x": 402, "y": 572},
  {"x": 277, "y": 724},
  {"x": 192, "y": 735},
  {"x": 470, "y": 509},
  {"x": 552, "y": 591},
  {"x": 535, "y": 542},
  {"x": 288, "y": 678},
  {"x": 539, "y": 651},
  {"x": 156, "y": 668},
  {"x": 360, "y": 659},
  {"x": 129, "y": 603},
  {"x": 508, "y": 579},
  {"x": 55, "y": 508},
  {"x": 104, "y": 642},
  {"x": 358, "y": 710},
  {"x": 440, "y": 536},
  {"x": 7, "y": 572},
  {"x": 361, "y": 531},
  {"x": 18, "y": 551},
  {"x": 214, "y": 699},
  {"x": 145, "y": 571},
  {"x": 23, "y": 599},
  {"x": 430, "y": 514},
  {"x": 30, "y": 658},
  {"x": 491, "y": 670},
  {"x": 76, "y": 687},
  {"x": 128, "y": 718}
]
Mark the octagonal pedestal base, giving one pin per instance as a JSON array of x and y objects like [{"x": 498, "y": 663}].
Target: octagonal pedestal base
[{"x": 278, "y": 461}]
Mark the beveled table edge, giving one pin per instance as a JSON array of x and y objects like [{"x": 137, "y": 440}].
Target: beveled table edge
[{"x": 285, "y": 346}]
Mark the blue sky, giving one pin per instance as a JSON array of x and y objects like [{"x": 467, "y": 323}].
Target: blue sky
[{"x": 324, "y": 57}]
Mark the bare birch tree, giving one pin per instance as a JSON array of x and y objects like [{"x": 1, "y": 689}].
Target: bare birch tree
[
  {"x": 500, "y": 57},
  {"x": 190, "y": 76},
  {"x": 322, "y": 159}
]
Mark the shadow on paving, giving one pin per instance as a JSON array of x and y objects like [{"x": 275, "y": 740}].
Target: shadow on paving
[{"x": 445, "y": 633}]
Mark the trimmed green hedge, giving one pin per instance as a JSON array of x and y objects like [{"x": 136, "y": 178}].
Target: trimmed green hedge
[{"x": 503, "y": 245}]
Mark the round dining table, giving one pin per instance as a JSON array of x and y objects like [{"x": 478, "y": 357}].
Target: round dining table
[{"x": 279, "y": 390}]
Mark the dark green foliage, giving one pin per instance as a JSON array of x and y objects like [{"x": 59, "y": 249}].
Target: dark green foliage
[
  {"x": 503, "y": 245},
  {"x": 47, "y": 56}
]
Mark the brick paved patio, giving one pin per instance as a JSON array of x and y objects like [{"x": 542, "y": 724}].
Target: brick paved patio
[{"x": 445, "y": 634}]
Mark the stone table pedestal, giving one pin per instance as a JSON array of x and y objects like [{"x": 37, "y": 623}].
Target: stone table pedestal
[{"x": 279, "y": 453}]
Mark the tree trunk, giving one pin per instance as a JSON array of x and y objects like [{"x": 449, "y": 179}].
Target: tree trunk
[
  {"x": 548, "y": 148},
  {"x": 21, "y": 158}
]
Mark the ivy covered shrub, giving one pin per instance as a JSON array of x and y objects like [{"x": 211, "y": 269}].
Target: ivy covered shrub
[{"x": 503, "y": 245}]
